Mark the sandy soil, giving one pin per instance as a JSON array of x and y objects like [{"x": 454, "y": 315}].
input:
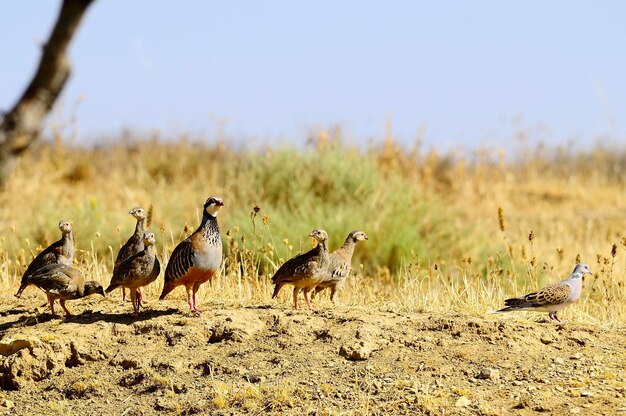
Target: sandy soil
[{"x": 270, "y": 359}]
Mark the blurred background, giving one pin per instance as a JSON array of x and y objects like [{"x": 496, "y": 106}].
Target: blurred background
[{"x": 445, "y": 73}]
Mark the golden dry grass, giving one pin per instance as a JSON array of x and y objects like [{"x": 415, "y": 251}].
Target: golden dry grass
[{"x": 447, "y": 232}]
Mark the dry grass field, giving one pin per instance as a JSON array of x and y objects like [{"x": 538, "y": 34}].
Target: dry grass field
[{"x": 450, "y": 237}]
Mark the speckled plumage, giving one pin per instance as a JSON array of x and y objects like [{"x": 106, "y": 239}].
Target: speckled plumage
[
  {"x": 196, "y": 259},
  {"x": 138, "y": 270},
  {"x": 306, "y": 270},
  {"x": 59, "y": 281},
  {"x": 61, "y": 251},
  {"x": 553, "y": 297},
  {"x": 340, "y": 264},
  {"x": 134, "y": 244}
]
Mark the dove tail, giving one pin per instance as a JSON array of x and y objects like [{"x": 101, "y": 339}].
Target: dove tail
[{"x": 507, "y": 309}]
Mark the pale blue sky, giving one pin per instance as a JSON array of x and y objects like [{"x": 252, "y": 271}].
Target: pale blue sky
[{"x": 466, "y": 72}]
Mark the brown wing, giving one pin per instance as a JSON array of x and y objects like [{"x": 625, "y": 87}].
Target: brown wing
[
  {"x": 180, "y": 261},
  {"x": 49, "y": 256},
  {"x": 552, "y": 294},
  {"x": 125, "y": 271},
  {"x": 132, "y": 246},
  {"x": 297, "y": 268},
  {"x": 59, "y": 279}
]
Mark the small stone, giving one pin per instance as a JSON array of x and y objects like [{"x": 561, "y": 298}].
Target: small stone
[
  {"x": 575, "y": 410},
  {"x": 586, "y": 394},
  {"x": 488, "y": 374},
  {"x": 559, "y": 361},
  {"x": 463, "y": 402},
  {"x": 359, "y": 352},
  {"x": 8, "y": 404},
  {"x": 546, "y": 341},
  {"x": 576, "y": 356},
  {"x": 574, "y": 392}
]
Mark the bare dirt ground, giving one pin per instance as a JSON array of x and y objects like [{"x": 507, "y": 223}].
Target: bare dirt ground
[{"x": 271, "y": 359}]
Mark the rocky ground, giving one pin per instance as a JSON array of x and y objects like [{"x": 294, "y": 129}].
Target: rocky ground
[{"x": 271, "y": 359}]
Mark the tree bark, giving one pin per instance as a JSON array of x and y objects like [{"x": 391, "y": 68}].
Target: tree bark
[{"x": 21, "y": 126}]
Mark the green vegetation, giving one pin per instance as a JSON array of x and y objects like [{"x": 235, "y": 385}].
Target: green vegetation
[{"x": 437, "y": 240}]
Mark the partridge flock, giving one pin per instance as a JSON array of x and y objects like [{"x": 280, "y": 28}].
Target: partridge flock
[{"x": 198, "y": 258}]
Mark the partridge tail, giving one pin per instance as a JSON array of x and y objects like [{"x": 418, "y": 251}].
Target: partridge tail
[
  {"x": 166, "y": 290},
  {"x": 21, "y": 289},
  {"x": 276, "y": 290}
]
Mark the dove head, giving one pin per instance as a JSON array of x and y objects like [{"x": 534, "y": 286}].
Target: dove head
[{"x": 580, "y": 270}]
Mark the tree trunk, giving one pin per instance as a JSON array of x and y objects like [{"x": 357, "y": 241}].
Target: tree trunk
[{"x": 21, "y": 126}]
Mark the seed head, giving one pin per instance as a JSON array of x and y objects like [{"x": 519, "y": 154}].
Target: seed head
[
  {"x": 149, "y": 216},
  {"x": 501, "y": 219}
]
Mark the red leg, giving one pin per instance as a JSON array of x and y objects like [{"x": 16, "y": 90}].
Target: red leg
[
  {"x": 67, "y": 312},
  {"x": 195, "y": 301},
  {"x": 306, "y": 297},
  {"x": 51, "y": 303},
  {"x": 190, "y": 299},
  {"x": 553, "y": 316}
]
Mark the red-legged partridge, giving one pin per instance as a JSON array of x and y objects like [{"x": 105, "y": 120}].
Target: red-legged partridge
[{"x": 197, "y": 258}]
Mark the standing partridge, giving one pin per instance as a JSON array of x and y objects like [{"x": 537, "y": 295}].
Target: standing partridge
[
  {"x": 59, "y": 281},
  {"x": 340, "y": 264},
  {"x": 553, "y": 297},
  {"x": 306, "y": 270},
  {"x": 196, "y": 259},
  {"x": 138, "y": 270},
  {"x": 61, "y": 251},
  {"x": 134, "y": 244}
]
